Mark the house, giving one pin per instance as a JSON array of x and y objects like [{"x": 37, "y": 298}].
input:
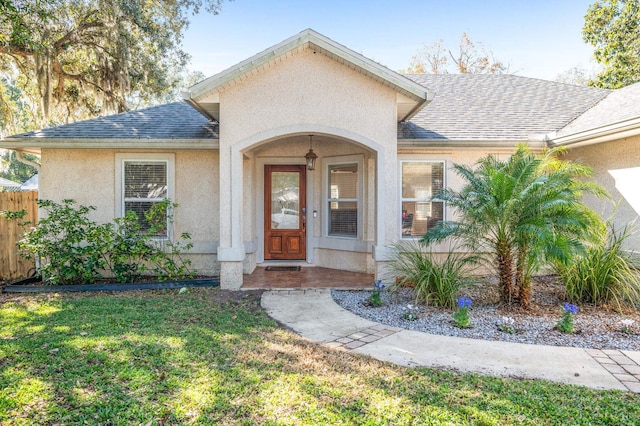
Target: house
[
  {"x": 30, "y": 184},
  {"x": 8, "y": 185},
  {"x": 234, "y": 153}
]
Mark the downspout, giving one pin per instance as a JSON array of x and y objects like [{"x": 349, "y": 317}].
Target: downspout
[{"x": 19, "y": 156}]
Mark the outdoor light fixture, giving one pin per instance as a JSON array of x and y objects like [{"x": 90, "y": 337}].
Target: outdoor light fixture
[{"x": 311, "y": 156}]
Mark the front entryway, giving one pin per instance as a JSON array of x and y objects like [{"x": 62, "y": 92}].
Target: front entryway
[
  {"x": 285, "y": 218},
  {"x": 306, "y": 278}
]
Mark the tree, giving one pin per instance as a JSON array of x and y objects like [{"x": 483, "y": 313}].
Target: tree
[
  {"x": 576, "y": 75},
  {"x": 470, "y": 58},
  {"x": 79, "y": 58},
  {"x": 612, "y": 27},
  {"x": 519, "y": 213},
  {"x": 12, "y": 169}
]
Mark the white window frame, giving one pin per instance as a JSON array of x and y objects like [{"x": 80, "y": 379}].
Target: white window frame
[
  {"x": 413, "y": 159},
  {"x": 121, "y": 159},
  {"x": 328, "y": 162}
]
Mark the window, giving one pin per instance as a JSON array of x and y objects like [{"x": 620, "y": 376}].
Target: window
[
  {"x": 420, "y": 181},
  {"x": 144, "y": 180},
  {"x": 343, "y": 199}
]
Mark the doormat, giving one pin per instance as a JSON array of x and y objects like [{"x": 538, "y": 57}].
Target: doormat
[{"x": 283, "y": 268}]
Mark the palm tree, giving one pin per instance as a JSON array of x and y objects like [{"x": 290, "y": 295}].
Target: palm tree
[{"x": 519, "y": 213}]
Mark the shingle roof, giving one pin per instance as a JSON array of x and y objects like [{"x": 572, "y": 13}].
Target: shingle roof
[
  {"x": 465, "y": 107},
  {"x": 8, "y": 184},
  {"x": 176, "y": 120},
  {"x": 495, "y": 107},
  {"x": 619, "y": 105}
]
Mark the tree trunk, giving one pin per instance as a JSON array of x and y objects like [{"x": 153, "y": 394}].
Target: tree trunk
[
  {"x": 523, "y": 280},
  {"x": 505, "y": 272}
]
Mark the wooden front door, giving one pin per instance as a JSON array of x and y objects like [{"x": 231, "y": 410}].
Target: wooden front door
[{"x": 285, "y": 219}]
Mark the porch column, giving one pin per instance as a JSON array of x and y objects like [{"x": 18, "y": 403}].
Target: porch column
[
  {"x": 386, "y": 207},
  {"x": 231, "y": 252}
]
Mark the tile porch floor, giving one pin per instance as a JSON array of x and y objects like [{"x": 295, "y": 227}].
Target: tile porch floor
[{"x": 306, "y": 277}]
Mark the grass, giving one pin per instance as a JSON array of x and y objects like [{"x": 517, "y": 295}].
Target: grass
[{"x": 211, "y": 357}]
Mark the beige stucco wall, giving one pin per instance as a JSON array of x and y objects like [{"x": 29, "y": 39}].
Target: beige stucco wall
[
  {"x": 88, "y": 177},
  {"x": 306, "y": 93},
  {"x": 617, "y": 167},
  {"x": 308, "y": 88}
]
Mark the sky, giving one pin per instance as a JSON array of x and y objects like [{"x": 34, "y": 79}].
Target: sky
[{"x": 540, "y": 38}]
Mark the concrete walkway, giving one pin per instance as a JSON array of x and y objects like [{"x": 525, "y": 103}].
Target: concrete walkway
[{"x": 313, "y": 314}]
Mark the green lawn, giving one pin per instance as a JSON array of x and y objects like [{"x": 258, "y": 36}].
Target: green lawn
[{"x": 211, "y": 357}]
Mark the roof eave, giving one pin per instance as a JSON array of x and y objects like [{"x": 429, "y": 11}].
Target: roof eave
[
  {"x": 620, "y": 130},
  {"x": 35, "y": 145},
  {"x": 475, "y": 144},
  {"x": 400, "y": 82}
]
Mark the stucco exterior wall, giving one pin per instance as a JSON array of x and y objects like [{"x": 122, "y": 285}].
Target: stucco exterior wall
[
  {"x": 617, "y": 168},
  {"x": 305, "y": 93},
  {"x": 88, "y": 177},
  {"x": 308, "y": 88}
]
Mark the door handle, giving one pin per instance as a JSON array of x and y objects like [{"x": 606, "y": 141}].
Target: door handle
[{"x": 304, "y": 223}]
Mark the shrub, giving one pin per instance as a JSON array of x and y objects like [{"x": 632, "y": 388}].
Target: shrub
[
  {"x": 69, "y": 248},
  {"x": 135, "y": 251},
  {"x": 435, "y": 280},
  {"x": 604, "y": 273}
]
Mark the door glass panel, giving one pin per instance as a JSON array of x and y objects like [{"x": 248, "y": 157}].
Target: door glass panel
[{"x": 285, "y": 200}]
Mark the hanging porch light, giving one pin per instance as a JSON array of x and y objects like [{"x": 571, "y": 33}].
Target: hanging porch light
[{"x": 311, "y": 156}]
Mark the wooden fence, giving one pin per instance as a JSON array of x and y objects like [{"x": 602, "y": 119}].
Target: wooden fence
[{"x": 12, "y": 265}]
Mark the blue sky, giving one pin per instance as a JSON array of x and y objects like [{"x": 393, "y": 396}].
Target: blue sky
[{"x": 536, "y": 38}]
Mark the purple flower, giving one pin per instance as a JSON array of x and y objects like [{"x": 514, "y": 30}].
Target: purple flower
[
  {"x": 378, "y": 285},
  {"x": 464, "y": 302},
  {"x": 570, "y": 309}
]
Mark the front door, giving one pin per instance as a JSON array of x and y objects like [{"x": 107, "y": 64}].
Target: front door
[{"x": 285, "y": 219}]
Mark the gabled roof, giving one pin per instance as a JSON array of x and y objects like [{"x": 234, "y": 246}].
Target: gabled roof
[
  {"x": 616, "y": 115},
  {"x": 204, "y": 94},
  {"x": 495, "y": 107},
  {"x": 176, "y": 121},
  {"x": 31, "y": 184},
  {"x": 8, "y": 184}
]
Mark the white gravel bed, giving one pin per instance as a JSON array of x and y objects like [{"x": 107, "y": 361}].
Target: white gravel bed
[{"x": 594, "y": 330}]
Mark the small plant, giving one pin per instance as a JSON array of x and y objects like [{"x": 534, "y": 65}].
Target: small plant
[
  {"x": 627, "y": 326},
  {"x": 435, "y": 278},
  {"x": 375, "y": 300},
  {"x": 604, "y": 273},
  {"x": 410, "y": 316},
  {"x": 461, "y": 316},
  {"x": 507, "y": 325},
  {"x": 565, "y": 325}
]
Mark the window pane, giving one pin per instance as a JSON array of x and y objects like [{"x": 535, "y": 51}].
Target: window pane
[
  {"x": 421, "y": 180},
  {"x": 145, "y": 179},
  {"x": 343, "y": 218},
  {"x": 285, "y": 200},
  {"x": 140, "y": 208},
  {"x": 418, "y": 217},
  {"x": 343, "y": 181}
]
